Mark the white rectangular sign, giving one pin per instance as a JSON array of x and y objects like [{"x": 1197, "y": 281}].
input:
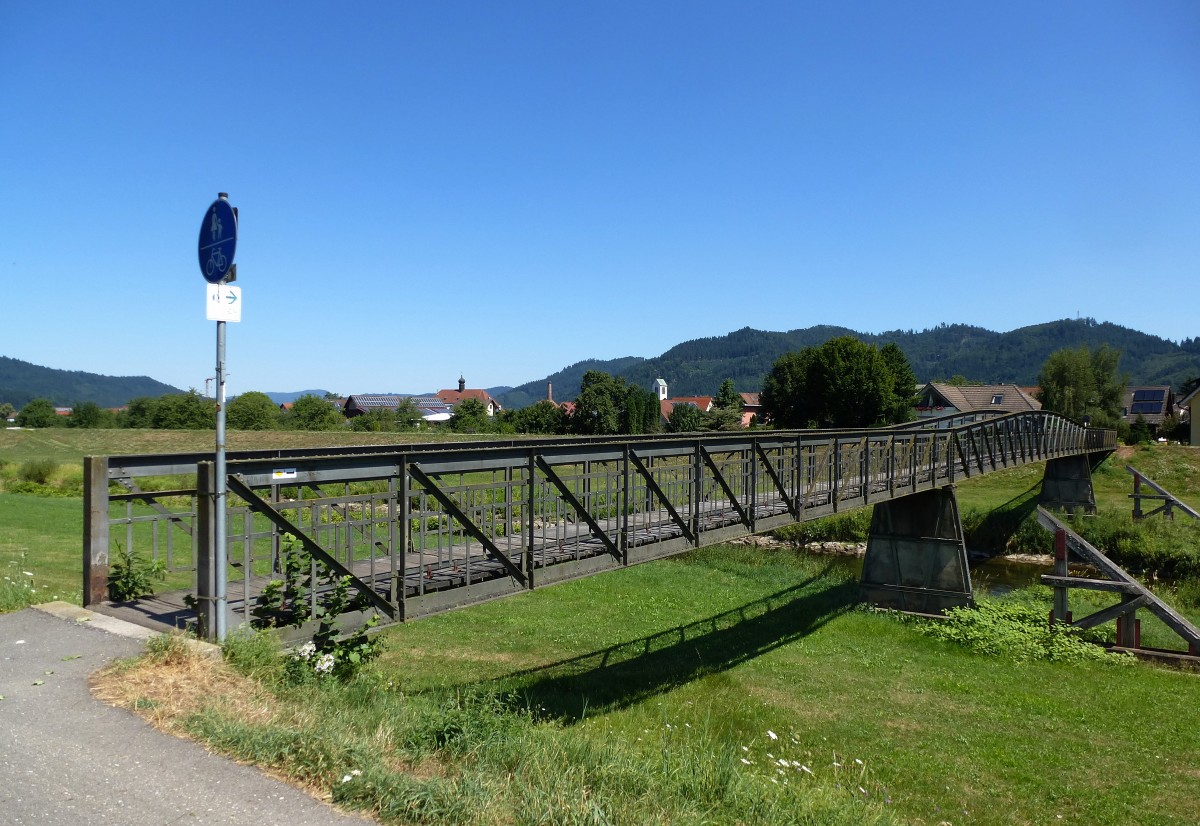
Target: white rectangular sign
[
  {"x": 224, "y": 302},
  {"x": 283, "y": 474}
]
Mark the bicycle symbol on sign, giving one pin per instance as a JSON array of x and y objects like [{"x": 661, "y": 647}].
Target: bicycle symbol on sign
[{"x": 216, "y": 262}]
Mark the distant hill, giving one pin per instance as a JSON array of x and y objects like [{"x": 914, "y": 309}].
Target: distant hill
[
  {"x": 699, "y": 366},
  {"x": 22, "y": 382}
]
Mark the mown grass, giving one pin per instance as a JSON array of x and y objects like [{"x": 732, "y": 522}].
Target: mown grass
[
  {"x": 40, "y": 550},
  {"x": 70, "y": 445},
  {"x": 671, "y": 692}
]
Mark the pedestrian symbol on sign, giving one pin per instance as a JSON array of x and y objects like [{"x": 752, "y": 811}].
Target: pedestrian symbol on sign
[{"x": 218, "y": 242}]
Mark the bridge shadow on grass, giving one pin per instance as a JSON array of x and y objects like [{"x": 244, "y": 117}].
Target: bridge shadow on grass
[
  {"x": 998, "y": 525},
  {"x": 630, "y": 672}
]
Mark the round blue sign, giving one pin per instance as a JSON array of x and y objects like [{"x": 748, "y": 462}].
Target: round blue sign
[{"x": 218, "y": 241}]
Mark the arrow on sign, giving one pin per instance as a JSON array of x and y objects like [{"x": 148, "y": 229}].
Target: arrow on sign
[{"x": 224, "y": 302}]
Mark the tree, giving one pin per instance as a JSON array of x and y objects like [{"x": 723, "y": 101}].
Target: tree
[
  {"x": 842, "y": 383},
  {"x": 252, "y": 411},
  {"x": 470, "y": 416},
  {"x": 904, "y": 383},
  {"x": 311, "y": 412},
  {"x": 598, "y": 405},
  {"x": 379, "y": 420},
  {"x": 7, "y": 410},
  {"x": 1079, "y": 383},
  {"x": 407, "y": 416},
  {"x": 140, "y": 412},
  {"x": 728, "y": 398},
  {"x": 86, "y": 414},
  {"x": 641, "y": 412},
  {"x": 722, "y": 418},
  {"x": 785, "y": 397},
  {"x": 184, "y": 411},
  {"x": 685, "y": 418},
  {"x": 38, "y": 413},
  {"x": 543, "y": 417}
]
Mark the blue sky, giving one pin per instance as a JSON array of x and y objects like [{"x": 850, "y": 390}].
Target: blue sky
[{"x": 498, "y": 190}]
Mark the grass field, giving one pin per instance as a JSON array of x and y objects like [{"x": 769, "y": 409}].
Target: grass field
[
  {"x": 671, "y": 692},
  {"x": 69, "y": 446},
  {"x": 718, "y": 687}
]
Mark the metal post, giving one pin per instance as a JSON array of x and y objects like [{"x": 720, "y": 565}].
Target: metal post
[
  {"x": 206, "y": 558},
  {"x": 219, "y": 494}
]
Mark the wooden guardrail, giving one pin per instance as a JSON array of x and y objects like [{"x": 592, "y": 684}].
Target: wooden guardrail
[
  {"x": 1134, "y": 595},
  {"x": 1170, "y": 502}
]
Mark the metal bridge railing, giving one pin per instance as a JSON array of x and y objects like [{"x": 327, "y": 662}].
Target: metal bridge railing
[{"x": 424, "y": 528}]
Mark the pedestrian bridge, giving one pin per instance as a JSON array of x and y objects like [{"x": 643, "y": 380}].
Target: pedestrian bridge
[{"x": 418, "y": 529}]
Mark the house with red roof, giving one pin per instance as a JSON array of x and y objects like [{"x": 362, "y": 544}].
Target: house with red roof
[{"x": 453, "y": 397}]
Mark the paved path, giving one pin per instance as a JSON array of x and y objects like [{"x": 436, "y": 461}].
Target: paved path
[{"x": 67, "y": 759}]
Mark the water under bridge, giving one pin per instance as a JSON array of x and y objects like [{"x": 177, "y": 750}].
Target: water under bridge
[{"x": 418, "y": 529}]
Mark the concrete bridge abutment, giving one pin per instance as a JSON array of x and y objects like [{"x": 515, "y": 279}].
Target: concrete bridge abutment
[{"x": 916, "y": 558}]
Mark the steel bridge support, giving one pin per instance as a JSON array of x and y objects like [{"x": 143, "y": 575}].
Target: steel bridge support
[
  {"x": 916, "y": 558},
  {"x": 1067, "y": 484}
]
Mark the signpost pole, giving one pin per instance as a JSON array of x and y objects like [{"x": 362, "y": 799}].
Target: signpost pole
[
  {"x": 221, "y": 488},
  {"x": 218, "y": 243}
]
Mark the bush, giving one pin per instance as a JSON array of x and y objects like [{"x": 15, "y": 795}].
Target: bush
[
  {"x": 37, "y": 471},
  {"x": 131, "y": 576},
  {"x": 286, "y": 603},
  {"x": 1018, "y": 629}
]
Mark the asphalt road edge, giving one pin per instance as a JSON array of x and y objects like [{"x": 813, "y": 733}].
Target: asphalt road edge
[{"x": 74, "y": 613}]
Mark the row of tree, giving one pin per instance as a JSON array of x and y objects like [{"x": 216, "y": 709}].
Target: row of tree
[{"x": 843, "y": 383}]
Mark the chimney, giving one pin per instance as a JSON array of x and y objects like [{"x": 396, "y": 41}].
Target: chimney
[{"x": 550, "y": 391}]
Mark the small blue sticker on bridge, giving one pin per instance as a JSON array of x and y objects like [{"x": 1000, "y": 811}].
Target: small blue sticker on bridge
[{"x": 218, "y": 241}]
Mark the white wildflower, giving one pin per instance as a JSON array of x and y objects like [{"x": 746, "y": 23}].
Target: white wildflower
[
  {"x": 306, "y": 651},
  {"x": 324, "y": 665}
]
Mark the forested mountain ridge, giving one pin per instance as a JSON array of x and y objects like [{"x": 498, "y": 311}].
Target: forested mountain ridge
[
  {"x": 698, "y": 367},
  {"x": 22, "y": 382}
]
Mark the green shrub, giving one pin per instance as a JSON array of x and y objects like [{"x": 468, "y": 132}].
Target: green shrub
[
  {"x": 287, "y": 603},
  {"x": 131, "y": 576},
  {"x": 1018, "y": 629},
  {"x": 37, "y": 471}
]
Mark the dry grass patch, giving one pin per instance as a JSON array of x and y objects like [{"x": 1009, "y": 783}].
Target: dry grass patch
[{"x": 169, "y": 688}]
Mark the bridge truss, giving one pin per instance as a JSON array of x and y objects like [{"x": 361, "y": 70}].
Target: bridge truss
[{"x": 427, "y": 528}]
